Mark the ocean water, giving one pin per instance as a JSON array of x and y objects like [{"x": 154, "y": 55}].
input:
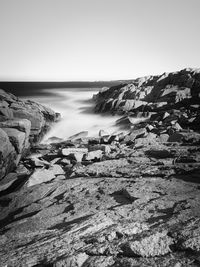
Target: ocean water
[{"x": 77, "y": 112}]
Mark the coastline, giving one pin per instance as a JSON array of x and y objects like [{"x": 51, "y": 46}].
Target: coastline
[{"x": 115, "y": 200}]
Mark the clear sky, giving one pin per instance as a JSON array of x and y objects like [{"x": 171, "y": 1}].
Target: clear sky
[{"x": 97, "y": 39}]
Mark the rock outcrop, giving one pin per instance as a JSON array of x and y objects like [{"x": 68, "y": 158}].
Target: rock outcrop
[
  {"x": 22, "y": 123},
  {"x": 164, "y": 93}
]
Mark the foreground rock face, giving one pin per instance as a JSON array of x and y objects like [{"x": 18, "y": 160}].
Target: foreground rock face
[
  {"x": 22, "y": 123},
  {"x": 130, "y": 206}
]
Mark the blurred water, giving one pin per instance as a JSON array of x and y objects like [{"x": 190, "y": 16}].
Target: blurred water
[{"x": 77, "y": 112}]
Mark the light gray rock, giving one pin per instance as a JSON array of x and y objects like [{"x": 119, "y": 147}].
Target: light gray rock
[
  {"x": 44, "y": 175},
  {"x": 150, "y": 246},
  {"x": 23, "y": 125},
  {"x": 92, "y": 155},
  {"x": 77, "y": 153}
]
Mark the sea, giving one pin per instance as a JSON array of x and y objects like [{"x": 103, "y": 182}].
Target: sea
[{"x": 75, "y": 104}]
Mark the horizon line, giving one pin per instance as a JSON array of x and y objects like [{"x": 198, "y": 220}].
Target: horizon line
[{"x": 104, "y": 80}]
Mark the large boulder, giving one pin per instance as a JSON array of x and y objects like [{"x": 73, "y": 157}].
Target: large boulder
[
  {"x": 13, "y": 108},
  {"x": 22, "y": 123}
]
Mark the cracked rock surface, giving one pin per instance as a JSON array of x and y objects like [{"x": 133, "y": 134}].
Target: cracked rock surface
[{"x": 129, "y": 208}]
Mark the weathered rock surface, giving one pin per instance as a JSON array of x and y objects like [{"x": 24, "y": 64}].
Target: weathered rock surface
[{"x": 136, "y": 207}]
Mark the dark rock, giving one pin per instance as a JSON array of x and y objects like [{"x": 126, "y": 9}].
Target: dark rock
[
  {"x": 175, "y": 137},
  {"x": 159, "y": 153}
]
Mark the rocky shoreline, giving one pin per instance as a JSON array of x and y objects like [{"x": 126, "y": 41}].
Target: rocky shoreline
[
  {"x": 127, "y": 199},
  {"x": 22, "y": 124}
]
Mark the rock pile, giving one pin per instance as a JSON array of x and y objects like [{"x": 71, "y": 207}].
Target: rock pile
[{"x": 174, "y": 95}]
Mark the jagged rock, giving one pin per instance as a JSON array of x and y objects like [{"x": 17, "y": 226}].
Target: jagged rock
[
  {"x": 157, "y": 92},
  {"x": 138, "y": 133}
]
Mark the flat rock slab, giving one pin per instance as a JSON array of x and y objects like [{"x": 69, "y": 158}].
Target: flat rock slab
[
  {"x": 44, "y": 175},
  {"x": 90, "y": 220},
  {"x": 103, "y": 168}
]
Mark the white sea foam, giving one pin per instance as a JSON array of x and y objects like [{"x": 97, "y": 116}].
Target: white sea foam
[{"x": 77, "y": 112}]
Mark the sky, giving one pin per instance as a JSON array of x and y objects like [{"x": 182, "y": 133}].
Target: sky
[{"x": 80, "y": 40}]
